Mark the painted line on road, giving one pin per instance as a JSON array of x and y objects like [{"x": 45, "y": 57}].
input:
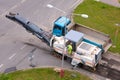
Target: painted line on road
[
  {"x": 23, "y": 1},
  {"x": 75, "y": 3},
  {"x": 1, "y": 65},
  {"x": 23, "y": 47},
  {"x": 13, "y": 55},
  {"x": 6, "y": 12},
  {"x": 15, "y": 6}
]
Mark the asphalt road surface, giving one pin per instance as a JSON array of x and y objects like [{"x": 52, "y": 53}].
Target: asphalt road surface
[{"x": 14, "y": 52}]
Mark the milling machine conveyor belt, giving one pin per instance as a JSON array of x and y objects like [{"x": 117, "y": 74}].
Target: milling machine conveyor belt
[{"x": 30, "y": 27}]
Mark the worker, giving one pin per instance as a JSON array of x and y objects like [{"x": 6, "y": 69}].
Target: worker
[{"x": 69, "y": 48}]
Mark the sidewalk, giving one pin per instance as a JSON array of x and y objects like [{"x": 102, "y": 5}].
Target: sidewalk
[{"x": 112, "y": 2}]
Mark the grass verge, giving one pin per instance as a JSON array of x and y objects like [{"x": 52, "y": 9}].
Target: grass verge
[
  {"x": 102, "y": 17},
  {"x": 42, "y": 74},
  {"x": 119, "y": 1}
]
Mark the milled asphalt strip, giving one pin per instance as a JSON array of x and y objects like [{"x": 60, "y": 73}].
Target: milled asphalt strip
[{"x": 15, "y": 6}]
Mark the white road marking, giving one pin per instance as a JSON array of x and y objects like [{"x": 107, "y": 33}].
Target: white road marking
[
  {"x": 51, "y": 6},
  {"x": 23, "y": 1},
  {"x": 75, "y": 3},
  {"x": 12, "y": 56},
  {"x": 23, "y": 47},
  {"x": 15, "y": 6},
  {"x": 1, "y": 65},
  {"x": 6, "y": 12}
]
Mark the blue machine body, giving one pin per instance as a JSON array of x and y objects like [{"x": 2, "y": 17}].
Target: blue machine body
[
  {"x": 93, "y": 43},
  {"x": 60, "y": 26}
]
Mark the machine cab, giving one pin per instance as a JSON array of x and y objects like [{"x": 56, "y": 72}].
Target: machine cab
[{"x": 60, "y": 26}]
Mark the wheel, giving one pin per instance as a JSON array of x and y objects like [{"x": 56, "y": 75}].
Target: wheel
[
  {"x": 69, "y": 59},
  {"x": 80, "y": 65}
]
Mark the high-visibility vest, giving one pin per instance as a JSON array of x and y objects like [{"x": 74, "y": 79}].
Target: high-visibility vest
[{"x": 69, "y": 47}]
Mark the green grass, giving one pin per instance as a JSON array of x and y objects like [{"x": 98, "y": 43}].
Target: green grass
[
  {"x": 42, "y": 74},
  {"x": 102, "y": 17},
  {"x": 119, "y": 1}
]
